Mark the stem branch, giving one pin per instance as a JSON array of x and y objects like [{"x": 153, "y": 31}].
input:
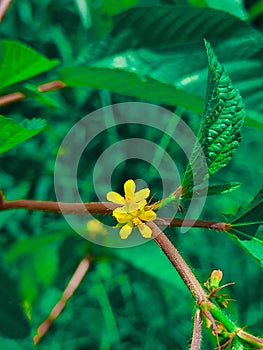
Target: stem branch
[{"x": 73, "y": 284}]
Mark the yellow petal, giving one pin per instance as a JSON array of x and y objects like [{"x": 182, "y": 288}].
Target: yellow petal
[
  {"x": 115, "y": 198},
  {"x": 126, "y": 230},
  {"x": 148, "y": 215},
  {"x": 142, "y": 194},
  {"x": 129, "y": 189},
  {"x": 145, "y": 230},
  {"x": 120, "y": 210},
  {"x": 122, "y": 218},
  {"x": 133, "y": 206}
]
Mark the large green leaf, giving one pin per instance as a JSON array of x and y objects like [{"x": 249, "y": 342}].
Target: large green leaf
[
  {"x": 222, "y": 119},
  {"x": 246, "y": 228},
  {"x": 223, "y": 116},
  {"x": 178, "y": 27},
  {"x": 172, "y": 52},
  {"x": 131, "y": 84},
  {"x": 13, "y": 322},
  {"x": 20, "y": 62},
  {"x": 11, "y": 133}
]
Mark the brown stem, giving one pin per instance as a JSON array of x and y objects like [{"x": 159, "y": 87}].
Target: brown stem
[
  {"x": 67, "y": 294},
  {"x": 53, "y": 85},
  {"x": 197, "y": 331},
  {"x": 4, "y": 5},
  {"x": 17, "y": 96},
  {"x": 10, "y": 98},
  {"x": 103, "y": 208},
  {"x": 179, "y": 263}
]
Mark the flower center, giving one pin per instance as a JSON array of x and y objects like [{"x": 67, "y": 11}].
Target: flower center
[{"x": 136, "y": 221}]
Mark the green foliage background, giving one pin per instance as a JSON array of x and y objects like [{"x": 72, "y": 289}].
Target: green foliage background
[{"x": 130, "y": 298}]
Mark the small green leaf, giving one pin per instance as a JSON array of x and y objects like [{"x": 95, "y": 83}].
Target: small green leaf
[
  {"x": 222, "y": 119},
  {"x": 250, "y": 217},
  {"x": 214, "y": 190},
  {"x": 12, "y": 134},
  {"x": 246, "y": 228},
  {"x": 20, "y": 62},
  {"x": 131, "y": 84},
  {"x": 221, "y": 189}
]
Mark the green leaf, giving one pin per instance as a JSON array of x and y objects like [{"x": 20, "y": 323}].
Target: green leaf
[
  {"x": 235, "y": 7},
  {"x": 13, "y": 322},
  {"x": 250, "y": 217},
  {"x": 149, "y": 259},
  {"x": 223, "y": 116},
  {"x": 222, "y": 119},
  {"x": 214, "y": 190},
  {"x": 12, "y": 133},
  {"x": 22, "y": 248},
  {"x": 246, "y": 228},
  {"x": 20, "y": 62},
  {"x": 131, "y": 84}
]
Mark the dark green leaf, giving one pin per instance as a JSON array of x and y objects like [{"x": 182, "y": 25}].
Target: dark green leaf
[
  {"x": 222, "y": 119},
  {"x": 12, "y": 134},
  {"x": 131, "y": 84},
  {"x": 20, "y": 62},
  {"x": 214, "y": 190},
  {"x": 223, "y": 116},
  {"x": 250, "y": 217},
  {"x": 246, "y": 228}
]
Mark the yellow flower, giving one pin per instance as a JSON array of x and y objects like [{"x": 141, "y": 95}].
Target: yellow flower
[
  {"x": 134, "y": 211},
  {"x": 132, "y": 200}
]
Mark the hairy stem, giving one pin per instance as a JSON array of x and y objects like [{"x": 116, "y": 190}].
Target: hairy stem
[
  {"x": 179, "y": 263},
  {"x": 197, "y": 331}
]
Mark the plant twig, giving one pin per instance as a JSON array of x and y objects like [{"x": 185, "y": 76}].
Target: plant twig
[
  {"x": 10, "y": 98},
  {"x": 73, "y": 284},
  {"x": 4, "y": 5},
  {"x": 17, "y": 96},
  {"x": 197, "y": 331},
  {"x": 179, "y": 263},
  {"x": 103, "y": 208}
]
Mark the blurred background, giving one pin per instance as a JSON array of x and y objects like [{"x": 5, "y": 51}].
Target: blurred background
[{"x": 130, "y": 298}]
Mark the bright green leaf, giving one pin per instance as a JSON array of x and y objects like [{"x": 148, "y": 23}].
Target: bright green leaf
[
  {"x": 20, "y": 62},
  {"x": 12, "y": 133},
  {"x": 131, "y": 84}
]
